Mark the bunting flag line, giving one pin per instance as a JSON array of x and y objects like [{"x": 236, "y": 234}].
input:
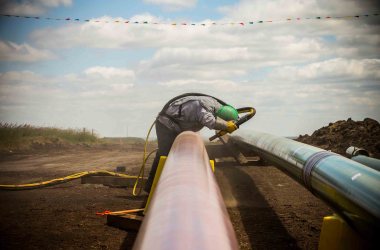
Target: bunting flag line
[{"x": 69, "y": 19}]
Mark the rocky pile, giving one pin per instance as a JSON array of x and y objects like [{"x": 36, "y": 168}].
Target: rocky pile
[{"x": 340, "y": 135}]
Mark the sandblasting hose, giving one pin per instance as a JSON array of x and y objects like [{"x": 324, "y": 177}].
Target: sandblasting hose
[
  {"x": 142, "y": 168},
  {"x": 75, "y": 176},
  {"x": 63, "y": 180}
]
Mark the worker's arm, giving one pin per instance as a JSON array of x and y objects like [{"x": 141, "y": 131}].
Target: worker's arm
[
  {"x": 220, "y": 124},
  {"x": 228, "y": 126},
  {"x": 209, "y": 120}
]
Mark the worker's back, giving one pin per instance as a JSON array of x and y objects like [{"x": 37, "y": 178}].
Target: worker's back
[{"x": 190, "y": 113}]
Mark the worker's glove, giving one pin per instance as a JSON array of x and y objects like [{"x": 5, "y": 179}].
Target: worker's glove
[{"x": 231, "y": 127}]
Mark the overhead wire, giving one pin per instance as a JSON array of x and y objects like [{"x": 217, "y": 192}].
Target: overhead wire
[{"x": 127, "y": 21}]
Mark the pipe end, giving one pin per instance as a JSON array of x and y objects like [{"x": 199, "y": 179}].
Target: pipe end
[{"x": 355, "y": 151}]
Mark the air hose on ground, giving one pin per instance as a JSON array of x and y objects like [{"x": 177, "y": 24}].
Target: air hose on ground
[
  {"x": 62, "y": 180},
  {"x": 16, "y": 187},
  {"x": 142, "y": 168}
]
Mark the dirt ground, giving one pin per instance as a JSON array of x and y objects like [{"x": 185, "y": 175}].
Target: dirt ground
[{"x": 267, "y": 208}]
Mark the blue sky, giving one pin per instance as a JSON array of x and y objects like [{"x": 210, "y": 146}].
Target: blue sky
[{"x": 299, "y": 75}]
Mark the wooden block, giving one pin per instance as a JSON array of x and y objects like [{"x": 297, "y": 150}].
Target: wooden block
[
  {"x": 239, "y": 157},
  {"x": 255, "y": 161},
  {"x": 217, "y": 151},
  {"x": 112, "y": 181},
  {"x": 120, "y": 169},
  {"x": 128, "y": 222}
]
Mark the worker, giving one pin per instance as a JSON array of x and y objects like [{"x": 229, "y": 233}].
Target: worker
[{"x": 189, "y": 112}]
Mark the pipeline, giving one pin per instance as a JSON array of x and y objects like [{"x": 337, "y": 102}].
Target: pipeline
[
  {"x": 362, "y": 156},
  {"x": 351, "y": 189},
  {"x": 187, "y": 210}
]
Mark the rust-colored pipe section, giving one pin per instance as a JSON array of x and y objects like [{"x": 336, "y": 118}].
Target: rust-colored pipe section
[{"x": 187, "y": 210}]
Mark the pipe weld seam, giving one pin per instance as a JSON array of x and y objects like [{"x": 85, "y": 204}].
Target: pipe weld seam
[{"x": 310, "y": 163}]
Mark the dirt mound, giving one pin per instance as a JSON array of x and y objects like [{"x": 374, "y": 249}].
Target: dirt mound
[{"x": 340, "y": 135}]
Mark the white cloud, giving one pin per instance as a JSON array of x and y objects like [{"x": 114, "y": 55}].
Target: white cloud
[
  {"x": 93, "y": 98},
  {"x": 110, "y": 72},
  {"x": 22, "y": 77},
  {"x": 184, "y": 65},
  {"x": 266, "y": 44},
  {"x": 337, "y": 69},
  {"x": 95, "y": 82},
  {"x": 20, "y": 91},
  {"x": 173, "y": 5},
  {"x": 104, "y": 81},
  {"x": 199, "y": 56},
  {"x": 227, "y": 62},
  {"x": 301, "y": 107},
  {"x": 30, "y": 7},
  {"x": 342, "y": 37},
  {"x": 108, "y": 34},
  {"x": 54, "y": 3},
  {"x": 213, "y": 84},
  {"x": 261, "y": 9},
  {"x": 283, "y": 9},
  {"x": 10, "y": 51}
]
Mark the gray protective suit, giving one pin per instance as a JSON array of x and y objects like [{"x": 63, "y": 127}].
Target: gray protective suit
[{"x": 190, "y": 113}]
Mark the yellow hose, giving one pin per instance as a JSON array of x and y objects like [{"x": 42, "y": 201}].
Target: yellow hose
[
  {"x": 63, "y": 180},
  {"x": 142, "y": 168},
  {"x": 81, "y": 174}
]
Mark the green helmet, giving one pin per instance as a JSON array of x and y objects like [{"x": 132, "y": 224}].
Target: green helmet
[{"x": 227, "y": 113}]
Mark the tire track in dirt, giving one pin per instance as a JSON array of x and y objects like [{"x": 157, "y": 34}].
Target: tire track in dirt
[{"x": 268, "y": 209}]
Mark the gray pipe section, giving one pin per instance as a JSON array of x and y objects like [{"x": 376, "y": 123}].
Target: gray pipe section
[
  {"x": 368, "y": 161},
  {"x": 362, "y": 156},
  {"x": 348, "y": 187}
]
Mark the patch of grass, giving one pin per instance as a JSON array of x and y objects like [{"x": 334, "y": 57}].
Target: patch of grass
[
  {"x": 13, "y": 135},
  {"x": 123, "y": 140}
]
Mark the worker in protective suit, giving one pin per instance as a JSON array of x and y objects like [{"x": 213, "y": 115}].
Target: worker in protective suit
[{"x": 189, "y": 112}]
